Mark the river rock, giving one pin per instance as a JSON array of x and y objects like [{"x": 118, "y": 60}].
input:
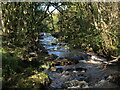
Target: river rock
[
  {"x": 53, "y": 56},
  {"x": 42, "y": 34},
  {"x": 59, "y": 69},
  {"x": 74, "y": 61},
  {"x": 80, "y": 78},
  {"x": 53, "y": 69},
  {"x": 63, "y": 61},
  {"x": 33, "y": 54},
  {"x": 81, "y": 69},
  {"x": 105, "y": 84},
  {"x": 75, "y": 84},
  {"x": 69, "y": 69},
  {"x": 54, "y": 43},
  {"x": 75, "y": 69},
  {"x": 114, "y": 78}
]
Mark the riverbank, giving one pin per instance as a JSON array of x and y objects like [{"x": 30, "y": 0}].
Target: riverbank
[{"x": 74, "y": 69}]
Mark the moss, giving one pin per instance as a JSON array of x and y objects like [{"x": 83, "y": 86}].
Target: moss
[
  {"x": 39, "y": 77},
  {"x": 19, "y": 74},
  {"x": 34, "y": 81},
  {"x": 10, "y": 65}
]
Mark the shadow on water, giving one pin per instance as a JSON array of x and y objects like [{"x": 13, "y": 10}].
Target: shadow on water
[
  {"x": 86, "y": 73},
  {"x": 60, "y": 49}
]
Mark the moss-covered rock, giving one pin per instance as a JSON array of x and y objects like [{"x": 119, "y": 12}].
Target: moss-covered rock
[{"x": 38, "y": 80}]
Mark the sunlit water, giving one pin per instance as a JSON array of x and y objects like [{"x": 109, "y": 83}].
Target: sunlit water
[{"x": 85, "y": 74}]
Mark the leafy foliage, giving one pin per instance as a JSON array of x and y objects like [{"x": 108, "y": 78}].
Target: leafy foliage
[
  {"x": 89, "y": 26},
  {"x": 84, "y": 25},
  {"x": 21, "y": 24}
]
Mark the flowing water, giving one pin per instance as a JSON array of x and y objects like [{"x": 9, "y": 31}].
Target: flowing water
[{"x": 74, "y": 69}]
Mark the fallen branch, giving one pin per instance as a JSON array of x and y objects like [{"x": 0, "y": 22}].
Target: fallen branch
[
  {"x": 112, "y": 61},
  {"x": 115, "y": 60}
]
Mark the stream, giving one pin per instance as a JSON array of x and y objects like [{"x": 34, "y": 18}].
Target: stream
[{"x": 75, "y": 69}]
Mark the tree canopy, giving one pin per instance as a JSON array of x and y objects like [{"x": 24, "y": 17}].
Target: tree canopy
[{"x": 86, "y": 26}]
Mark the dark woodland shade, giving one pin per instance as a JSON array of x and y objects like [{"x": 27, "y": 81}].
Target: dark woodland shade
[{"x": 84, "y": 25}]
